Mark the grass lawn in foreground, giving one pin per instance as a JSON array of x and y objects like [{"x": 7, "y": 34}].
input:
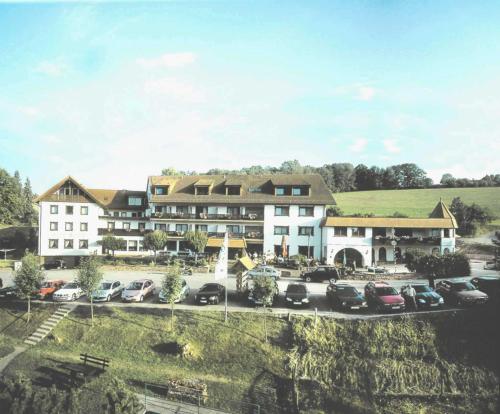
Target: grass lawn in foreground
[
  {"x": 231, "y": 359},
  {"x": 415, "y": 203}
]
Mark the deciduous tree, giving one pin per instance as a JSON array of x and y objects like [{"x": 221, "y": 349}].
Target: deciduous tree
[
  {"x": 155, "y": 241},
  {"x": 29, "y": 278},
  {"x": 171, "y": 287},
  {"x": 89, "y": 277}
]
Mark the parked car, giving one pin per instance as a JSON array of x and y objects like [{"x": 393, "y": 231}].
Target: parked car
[
  {"x": 264, "y": 271},
  {"x": 107, "y": 290},
  {"x": 56, "y": 264},
  {"x": 297, "y": 294},
  {"x": 320, "y": 274},
  {"x": 184, "y": 254},
  {"x": 182, "y": 296},
  {"x": 492, "y": 265},
  {"x": 343, "y": 296},
  {"x": 9, "y": 292},
  {"x": 461, "y": 293},
  {"x": 425, "y": 298},
  {"x": 383, "y": 297},
  {"x": 210, "y": 294},
  {"x": 138, "y": 290},
  {"x": 257, "y": 301},
  {"x": 69, "y": 292},
  {"x": 48, "y": 288},
  {"x": 488, "y": 284}
]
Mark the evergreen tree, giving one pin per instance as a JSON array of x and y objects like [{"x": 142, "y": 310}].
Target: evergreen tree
[{"x": 27, "y": 196}]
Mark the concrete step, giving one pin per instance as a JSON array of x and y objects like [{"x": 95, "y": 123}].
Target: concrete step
[
  {"x": 49, "y": 325},
  {"x": 44, "y": 330},
  {"x": 38, "y": 335},
  {"x": 61, "y": 313},
  {"x": 56, "y": 317},
  {"x": 30, "y": 342}
]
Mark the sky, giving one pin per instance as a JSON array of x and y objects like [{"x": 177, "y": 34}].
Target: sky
[{"x": 111, "y": 92}]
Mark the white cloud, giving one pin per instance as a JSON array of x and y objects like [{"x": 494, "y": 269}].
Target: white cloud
[
  {"x": 391, "y": 145},
  {"x": 54, "y": 69},
  {"x": 174, "y": 88},
  {"x": 30, "y": 111},
  {"x": 168, "y": 60},
  {"x": 365, "y": 93},
  {"x": 359, "y": 145}
]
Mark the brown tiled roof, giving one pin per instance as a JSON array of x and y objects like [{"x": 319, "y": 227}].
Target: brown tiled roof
[
  {"x": 441, "y": 211},
  {"x": 163, "y": 180},
  {"x": 110, "y": 199},
  {"x": 117, "y": 199},
  {"x": 389, "y": 222},
  {"x": 255, "y": 189}
]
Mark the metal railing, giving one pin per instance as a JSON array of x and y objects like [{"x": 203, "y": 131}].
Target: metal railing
[{"x": 207, "y": 216}]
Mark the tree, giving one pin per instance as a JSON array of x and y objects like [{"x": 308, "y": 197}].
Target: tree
[
  {"x": 397, "y": 214},
  {"x": 155, "y": 241},
  {"x": 171, "y": 287},
  {"x": 334, "y": 211},
  {"x": 170, "y": 171},
  {"x": 89, "y": 277},
  {"x": 198, "y": 240},
  {"x": 113, "y": 243},
  {"x": 119, "y": 399},
  {"x": 28, "y": 210},
  {"x": 448, "y": 180},
  {"x": 29, "y": 278},
  {"x": 291, "y": 167},
  {"x": 469, "y": 217},
  {"x": 363, "y": 178},
  {"x": 264, "y": 289}
]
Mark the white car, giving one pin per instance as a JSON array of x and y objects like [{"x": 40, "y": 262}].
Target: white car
[
  {"x": 264, "y": 271},
  {"x": 69, "y": 292},
  {"x": 108, "y": 290},
  {"x": 182, "y": 296},
  {"x": 138, "y": 290}
]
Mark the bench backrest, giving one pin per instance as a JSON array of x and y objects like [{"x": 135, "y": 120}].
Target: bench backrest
[{"x": 103, "y": 362}]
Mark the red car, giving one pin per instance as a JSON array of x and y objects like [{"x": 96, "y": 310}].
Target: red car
[
  {"x": 48, "y": 288},
  {"x": 383, "y": 297}
]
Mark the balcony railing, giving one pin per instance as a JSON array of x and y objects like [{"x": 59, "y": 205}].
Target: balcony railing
[
  {"x": 207, "y": 216},
  {"x": 407, "y": 240}
]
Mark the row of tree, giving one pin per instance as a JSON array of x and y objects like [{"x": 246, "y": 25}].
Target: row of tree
[
  {"x": 16, "y": 200},
  {"x": 489, "y": 180},
  {"x": 342, "y": 177}
]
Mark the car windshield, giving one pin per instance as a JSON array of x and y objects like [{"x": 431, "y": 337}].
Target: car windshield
[
  {"x": 463, "y": 286},
  {"x": 105, "y": 286},
  {"x": 296, "y": 289},
  {"x": 209, "y": 287},
  {"x": 422, "y": 288},
  {"x": 71, "y": 286},
  {"x": 347, "y": 290},
  {"x": 134, "y": 286},
  {"x": 386, "y": 291}
]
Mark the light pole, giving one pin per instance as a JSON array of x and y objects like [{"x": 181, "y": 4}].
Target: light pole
[{"x": 394, "y": 244}]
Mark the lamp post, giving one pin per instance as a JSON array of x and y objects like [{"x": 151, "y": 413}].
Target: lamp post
[{"x": 394, "y": 244}]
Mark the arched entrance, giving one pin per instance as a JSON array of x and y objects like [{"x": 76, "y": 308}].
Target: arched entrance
[
  {"x": 382, "y": 255},
  {"x": 351, "y": 256}
]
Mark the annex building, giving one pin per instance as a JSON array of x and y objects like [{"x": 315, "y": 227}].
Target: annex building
[{"x": 260, "y": 213}]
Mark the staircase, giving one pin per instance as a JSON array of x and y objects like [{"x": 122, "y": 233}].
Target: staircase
[{"x": 50, "y": 324}]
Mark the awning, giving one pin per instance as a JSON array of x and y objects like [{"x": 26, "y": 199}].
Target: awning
[
  {"x": 233, "y": 243},
  {"x": 247, "y": 263}
]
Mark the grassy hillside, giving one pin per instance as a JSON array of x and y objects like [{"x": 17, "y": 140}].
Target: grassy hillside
[{"x": 416, "y": 203}]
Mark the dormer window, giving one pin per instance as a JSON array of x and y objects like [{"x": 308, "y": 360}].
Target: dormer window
[
  {"x": 134, "y": 201},
  {"x": 280, "y": 191},
  {"x": 233, "y": 190},
  {"x": 201, "y": 190},
  {"x": 300, "y": 191},
  {"x": 161, "y": 190}
]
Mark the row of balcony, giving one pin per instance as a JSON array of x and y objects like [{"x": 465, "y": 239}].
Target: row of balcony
[
  {"x": 406, "y": 240},
  {"x": 207, "y": 216},
  {"x": 254, "y": 235}
]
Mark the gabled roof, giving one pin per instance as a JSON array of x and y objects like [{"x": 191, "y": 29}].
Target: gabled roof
[
  {"x": 49, "y": 193},
  {"x": 110, "y": 199}
]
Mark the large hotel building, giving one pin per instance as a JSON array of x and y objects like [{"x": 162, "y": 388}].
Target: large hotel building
[{"x": 260, "y": 213}]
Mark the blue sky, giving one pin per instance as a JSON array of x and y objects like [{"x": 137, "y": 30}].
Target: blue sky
[{"x": 111, "y": 92}]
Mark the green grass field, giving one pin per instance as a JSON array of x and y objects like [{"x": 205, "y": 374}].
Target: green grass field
[
  {"x": 415, "y": 203},
  {"x": 346, "y": 366}
]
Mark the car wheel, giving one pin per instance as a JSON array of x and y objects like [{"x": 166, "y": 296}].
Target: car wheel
[
  {"x": 308, "y": 278},
  {"x": 216, "y": 302},
  {"x": 108, "y": 299},
  {"x": 459, "y": 302},
  {"x": 73, "y": 297},
  {"x": 333, "y": 280}
]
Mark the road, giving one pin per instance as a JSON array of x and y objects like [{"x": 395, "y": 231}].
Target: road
[{"x": 195, "y": 281}]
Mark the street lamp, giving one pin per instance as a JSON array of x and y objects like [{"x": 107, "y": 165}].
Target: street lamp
[{"x": 394, "y": 243}]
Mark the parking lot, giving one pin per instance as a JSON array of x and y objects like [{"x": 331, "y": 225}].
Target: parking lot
[{"x": 318, "y": 298}]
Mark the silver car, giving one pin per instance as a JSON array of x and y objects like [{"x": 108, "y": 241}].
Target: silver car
[
  {"x": 182, "y": 296},
  {"x": 108, "y": 290},
  {"x": 264, "y": 271},
  {"x": 138, "y": 290}
]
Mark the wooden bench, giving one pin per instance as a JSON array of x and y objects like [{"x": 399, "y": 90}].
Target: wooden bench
[{"x": 91, "y": 367}]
